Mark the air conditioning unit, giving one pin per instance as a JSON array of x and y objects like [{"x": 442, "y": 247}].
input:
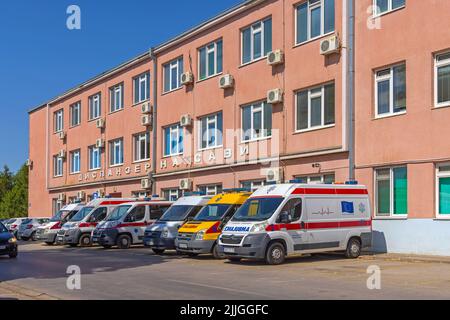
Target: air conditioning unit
[
  {"x": 81, "y": 195},
  {"x": 62, "y": 135},
  {"x": 275, "y": 96},
  {"x": 146, "y": 120},
  {"x": 185, "y": 184},
  {"x": 99, "y": 143},
  {"x": 62, "y": 154},
  {"x": 274, "y": 174},
  {"x": 29, "y": 163},
  {"x": 100, "y": 123},
  {"x": 185, "y": 120},
  {"x": 330, "y": 45},
  {"x": 187, "y": 78},
  {"x": 145, "y": 183},
  {"x": 275, "y": 57},
  {"x": 146, "y": 108},
  {"x": 226, "y": 81},
  {"x": 61, "y": 197}
]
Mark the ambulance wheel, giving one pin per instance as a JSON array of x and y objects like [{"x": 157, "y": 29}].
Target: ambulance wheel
[
  {"x": 353, "y": 248},
  {"x": 107, "y": 246},
  {"x": 216, "y": 253},
  {"x": 234, "y": 260},
  {"x": 158, "y": 251},
  {"x": 73, "y": 245},
  {"x": 85, "y": 240},
  {"x": 275, "y": 254},
  {"x": 49, "y": 243},
  {"x": 124, "y": 241},
  {"x": 33, "y": 236}
]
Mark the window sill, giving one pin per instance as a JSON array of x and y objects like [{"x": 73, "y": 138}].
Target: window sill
[
  {"x": 172, "y": 155},
  {"x": 255, "y": 140},
  {"x": 403, "y": 217},
  {"x": 74, "y": 173},
  {"x": 442, "y": 218},
  {"x": 116, "y": 165},
  {"x": 375, "y": 16},
  {"x": 140, "y": 102},
  {"x": 173, "y": 90},
  {"x": 94, "y": 119},
  {"x": 141, "y": 161},
  {"x": 58, "y": 176},
  {"x": 390, "y": 115},
  {"x": 74, "y": 126},
  {"x": 210, "y": 77},
  {"x": 94, "y": 169},
  {"x": 441, "y": 106},
  {"x": 210, "y": 148},
  {"x": 116, "y": 111},
  {"x": 315, "y": 129},
  {"x": 252, "y": 62},
  {"x": 313, "y": 39}
]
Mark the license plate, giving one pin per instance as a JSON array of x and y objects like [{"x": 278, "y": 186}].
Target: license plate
[
  {"x": 2, "y": 247},
  {"x": 228, "y": 250},
  {"x": 183, "y": 245}
]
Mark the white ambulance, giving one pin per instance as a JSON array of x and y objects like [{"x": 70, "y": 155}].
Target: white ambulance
[
  {"x": 126, "y": 224},
  {"x": 288, "y": 219}
]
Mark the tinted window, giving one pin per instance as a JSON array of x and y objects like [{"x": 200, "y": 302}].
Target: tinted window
[
  {"x": 3, "y": 228},
  {"x": 294, "y": 208},
  {"x": 212, "y": 212},
  {"x": 136, "y": 214},
  {"x": 81, "y": 214},
  {"x": 118, "y": 212},
  {"x": 158, "y": 211},
  {"x": 26, "y": 221},
  {"x": 99, "y": 214},
  {"x": 257, "y": 209}
]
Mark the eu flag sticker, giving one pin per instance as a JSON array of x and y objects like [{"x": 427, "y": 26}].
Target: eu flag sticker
[{"x": 347, "y": 207}]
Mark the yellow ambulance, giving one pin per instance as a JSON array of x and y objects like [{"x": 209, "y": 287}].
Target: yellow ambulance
[{"x": 200, "y": 235}]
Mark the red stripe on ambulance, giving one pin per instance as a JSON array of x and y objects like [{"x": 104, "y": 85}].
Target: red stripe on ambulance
[
  {"x": 320, "y": 225},
  {"x": 334, "y": 191}
]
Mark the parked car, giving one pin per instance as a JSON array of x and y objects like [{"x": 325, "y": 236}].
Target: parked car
[
  {"x": 8, "y": 243},
  {"x": 126, "y": 224},
  {"x": 48, "y": 231},
  {"x": 27, "y": 230},
  {"x": 78, "y": 230},
  {"x": 13, "y": 225},
  {"x": 161, "y": 235},
  {"x": 199, "y": 236},
  {"x": 292, "y": 219}
]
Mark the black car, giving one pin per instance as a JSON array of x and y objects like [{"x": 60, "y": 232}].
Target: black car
[{"x": 8, "y": 243}]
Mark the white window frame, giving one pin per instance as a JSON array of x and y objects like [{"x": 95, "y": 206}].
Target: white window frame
[
  {"x": 59, "y": 120},
  {"x": 319, "y": 177},
  {"x": 255, "y": 107},
  {"x": 390, "y": 78},
  {"x": 311, "y": 96},
  {"x": 58, "y": 166},
  {"x": 174, "y": 64},
  {"x": 174, "y": 128},
  {"x": 73, "y": 155},
  {"x": 116, "y": 98},
  {"x": 391, "y": 194},
  {"x": 254, "y": 29},
  {"x": 209, "y": 120},
  {"x": 437, "y": 65},
  {"x": 172, "y": 192},
  {"x": 208, "y": 51},
  {"x": 95, "y": 109},
  {"x": 113, "y": 144},
  {"x": 144, "y": 77},
  {"x": 140, "y": 194},
  {"x": 92, "y": 150},
  {"x": 378, "y": 14},
  {"x": 137, "y": 139},
  {"x": 320, "y": 4},
  {"x": 254, "y": 184},
  {"x": 211, "y": 189},
  {"x": 439, "y": 174},
  {"x": 77, "y": 108}
]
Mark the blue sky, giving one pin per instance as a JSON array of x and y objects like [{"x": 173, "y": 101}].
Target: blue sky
[{"x": 40, "y": 58}]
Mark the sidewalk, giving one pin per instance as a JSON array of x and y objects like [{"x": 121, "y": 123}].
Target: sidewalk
[
  {"x": 14, "y": 292},
  {"x": 405, "y": 257}
]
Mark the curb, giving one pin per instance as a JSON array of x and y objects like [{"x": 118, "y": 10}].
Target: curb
[
  {"x": 405, "y": 257},
  {"x": 10, "y": 291}
]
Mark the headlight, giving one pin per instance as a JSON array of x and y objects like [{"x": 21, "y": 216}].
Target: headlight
[
  {"x": 199, "y": 235},
  {"x": 12, "y": 240},
  {"x": 165, "y": 234},
  {"x": 259, "y": 227}
]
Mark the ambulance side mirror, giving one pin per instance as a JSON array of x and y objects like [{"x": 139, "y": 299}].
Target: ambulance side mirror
[{"x": 284, "y": 217}]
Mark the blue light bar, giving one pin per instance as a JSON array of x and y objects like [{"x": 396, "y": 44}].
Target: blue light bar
[
  {"x": 353, "y": 183},
  {"x": 295, "y": 181}
]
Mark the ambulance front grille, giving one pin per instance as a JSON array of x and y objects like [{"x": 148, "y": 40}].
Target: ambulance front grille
[{"x": 231, "y": 239}]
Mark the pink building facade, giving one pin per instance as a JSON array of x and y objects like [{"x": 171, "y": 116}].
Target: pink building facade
[{"x": 265, "y": 92}]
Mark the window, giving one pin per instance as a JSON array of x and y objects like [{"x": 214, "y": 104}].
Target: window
[
  {"x": 210, "y": 59},
  {"x": 211, "y": 190},
  {"x": 256, "y": 41},
  {"x": 75, "y": 114},
  {"x": 443, "y": 190},
  {"x": 172, "y": 194},
  {"x": 142, "y": 146},
  {"x": 253, "y": 185},
  {"x": 116, "y": 152},
  {"x": 94, "y": 158},
  {"x": 383, "y": 6},
  {"x": 173, "y": 140},
  {"x": 294, "y": 209},
  {"x": 321, "y": 179},
  {"x": 95, "y": 106},
  {"x": 257, "y": 121},
  {"x": 116, "y": 98},
  {"x": 172, "y": 74},
  {"x": 75, "y": 161},
  {"x": 390, "y": 90},
  {"x": 391, "y": 191},
  {"x": 211, "y": 131},
  {"x": 139, "y": 194},
  {"x": 156, "y": 212},
  {"x": 442, "y": 80},
  {"x": 58, "y": 120},
  {"x": 136, "y": 214},
  {"x": 58, "y": 166},
  {"x": 314, "y": 18},
  {"x": 99, "y": 214},
  {"x": 141, "y": 85},
  {"x": 315, "y": 108}
]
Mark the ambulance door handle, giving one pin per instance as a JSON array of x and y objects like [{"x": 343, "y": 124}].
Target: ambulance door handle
[{"x": 303, "y": 225}]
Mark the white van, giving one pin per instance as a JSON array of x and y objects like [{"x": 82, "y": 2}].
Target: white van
[
  {"x": 126, "y": 224},
  {"x": 287, "y": 219}
]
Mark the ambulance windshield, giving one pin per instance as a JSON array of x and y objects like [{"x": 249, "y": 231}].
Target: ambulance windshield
[
  {"x": 118, "y": 212},
  {"x": 81, "y": 214},
  {"x": 259, "y": 209},
  {"x": 212, "y": 212},
  {"x": 179, "y": 213}
]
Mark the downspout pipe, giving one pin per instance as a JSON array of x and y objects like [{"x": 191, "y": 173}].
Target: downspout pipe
[
  {"x": 154, "y": 115},
  {"x": 351, "y": 87}
]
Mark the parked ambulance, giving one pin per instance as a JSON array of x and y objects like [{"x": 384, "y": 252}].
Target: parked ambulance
[
  {"x": 48, "y": 231},
  {"x": 126, "y": 224},
  {"x": 200, "y": 235},
  {"x": 161, "y": 235},
  {"x": 77, "y": 231},
  {"x": 287, "y": 219}
]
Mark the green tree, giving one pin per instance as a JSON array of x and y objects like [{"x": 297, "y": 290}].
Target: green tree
[
  {"x": 14, "y": 202},
  {"x": 6, "y": 181}
]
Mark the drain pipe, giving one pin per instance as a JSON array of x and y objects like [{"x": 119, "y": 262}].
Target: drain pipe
[
  {"x": 154, "y": 116},
  {"x": 351, "y": 87}
]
